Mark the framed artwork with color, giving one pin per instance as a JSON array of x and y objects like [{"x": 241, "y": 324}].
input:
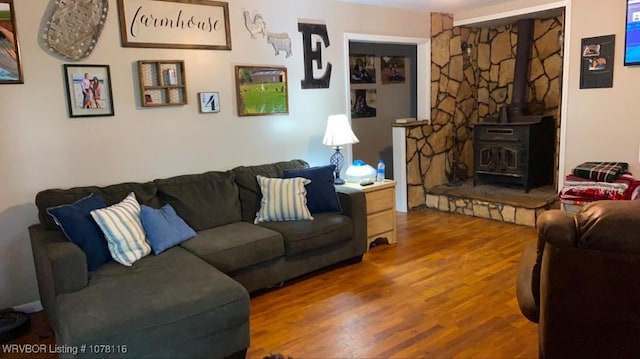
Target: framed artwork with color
[
  {"x": 88, "y": 90},
  {"x": 10, "y": 63},
  {"x": 261, "y": 90}
]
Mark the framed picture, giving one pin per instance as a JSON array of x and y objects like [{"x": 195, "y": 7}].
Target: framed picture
[
  {"x": 363, "y": 103},
  {"x": 209, "y": 102},
  {"x": 10, "y": 63},
  {"x": 88, "y": 90},
  {"x": 392, "y": 69},
  {"x": 362, "y": 69},
  {"x": 175, "y": 24},
  {"x": 261, "y": 90},
  {"x": 596, "y": 68}
]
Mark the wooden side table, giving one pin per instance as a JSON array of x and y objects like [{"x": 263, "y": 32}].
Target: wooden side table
[{"x": 381, "y": 210}]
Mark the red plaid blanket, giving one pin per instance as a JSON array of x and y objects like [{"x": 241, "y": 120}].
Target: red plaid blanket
[
  {"x": 601, "y": 171},
  {"x": 580, "y": 189}
]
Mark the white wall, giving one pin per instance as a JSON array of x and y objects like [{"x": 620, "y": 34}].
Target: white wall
[
  {"x": 41, "y": 147},
  {"x": 600, "y": 124}
]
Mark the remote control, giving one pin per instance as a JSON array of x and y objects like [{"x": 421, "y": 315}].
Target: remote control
[{"x": 366, "y": 182}]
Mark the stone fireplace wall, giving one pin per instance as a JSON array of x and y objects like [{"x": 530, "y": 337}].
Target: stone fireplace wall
[{"x": 467, "y": 88}]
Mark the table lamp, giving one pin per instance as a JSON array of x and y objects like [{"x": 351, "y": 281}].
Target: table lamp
[{"x": 338, "y": 134}]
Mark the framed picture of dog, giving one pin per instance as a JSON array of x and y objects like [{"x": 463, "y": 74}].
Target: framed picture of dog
[{"x": 88, "y": 90}]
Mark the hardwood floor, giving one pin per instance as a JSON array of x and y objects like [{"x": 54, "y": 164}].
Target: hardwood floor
[{"x": 446, "y": 289}]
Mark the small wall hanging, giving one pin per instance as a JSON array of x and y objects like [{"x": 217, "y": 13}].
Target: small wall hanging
[
  {"x": 362, "y": 69},
  {"x": 311, "y": 54},
  {"x": 392, "y": 69},
  {"x": 74, "y": 27},
  {"x": 209, "y": 102},
  {"x": 596, "y": 68},
  {"x": 255, "y": 24},
  {"x": 280, "y": 42}
]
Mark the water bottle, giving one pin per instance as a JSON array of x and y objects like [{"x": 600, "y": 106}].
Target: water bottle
[{"x": 380, "y": 172}]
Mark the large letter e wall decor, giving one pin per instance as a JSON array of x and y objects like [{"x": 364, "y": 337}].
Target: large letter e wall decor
[{"x": 309, "y": 82}]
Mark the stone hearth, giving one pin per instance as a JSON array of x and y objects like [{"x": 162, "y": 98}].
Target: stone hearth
[{"x": 505, "y": 204}]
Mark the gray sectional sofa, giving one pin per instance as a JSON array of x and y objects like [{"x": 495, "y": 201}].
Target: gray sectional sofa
[{"x": 193, "y": 299}]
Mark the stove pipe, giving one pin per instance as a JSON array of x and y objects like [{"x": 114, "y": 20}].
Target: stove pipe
[{"x": 521, "y": 71}]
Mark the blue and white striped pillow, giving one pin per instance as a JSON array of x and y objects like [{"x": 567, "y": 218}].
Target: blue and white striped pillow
[
  {"x": 121, "y": 226},
  {"x": 283, "y": 199}
]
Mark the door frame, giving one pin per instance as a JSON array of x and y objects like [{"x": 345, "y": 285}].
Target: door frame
[{"x": 423, "y": 101}]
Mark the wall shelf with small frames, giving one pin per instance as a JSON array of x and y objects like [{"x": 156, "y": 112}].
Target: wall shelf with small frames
[{"x": 162, "y": 83}]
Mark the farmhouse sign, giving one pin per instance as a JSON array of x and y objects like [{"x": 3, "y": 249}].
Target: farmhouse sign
[{"x": 177, "y": 24}]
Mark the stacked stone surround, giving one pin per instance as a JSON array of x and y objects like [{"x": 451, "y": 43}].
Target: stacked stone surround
[
  {"x": 485, "y": 209},
  {"x": 468, "y": 88}
]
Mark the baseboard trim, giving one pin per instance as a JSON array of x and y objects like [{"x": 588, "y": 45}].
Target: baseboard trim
[{"x": 29, "y": 307}]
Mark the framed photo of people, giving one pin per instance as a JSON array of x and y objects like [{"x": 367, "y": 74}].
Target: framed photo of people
[
  {"x": 88, "y": 90},
  {"x": 10, "y": 63}
]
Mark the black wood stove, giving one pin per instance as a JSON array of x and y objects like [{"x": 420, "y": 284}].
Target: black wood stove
[{"x": 519, "y": 152}]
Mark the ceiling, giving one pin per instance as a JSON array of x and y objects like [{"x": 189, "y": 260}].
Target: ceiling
[{"x": 446, "y": 6}]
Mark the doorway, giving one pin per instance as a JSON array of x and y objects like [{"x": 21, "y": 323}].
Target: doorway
[{"x": 383, "y": 88}]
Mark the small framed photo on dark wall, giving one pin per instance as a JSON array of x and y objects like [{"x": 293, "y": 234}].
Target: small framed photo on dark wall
[{"x": 596, "y": 68}]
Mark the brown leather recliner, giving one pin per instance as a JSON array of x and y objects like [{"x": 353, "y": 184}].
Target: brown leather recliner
[{"x": 581, "y": 282}]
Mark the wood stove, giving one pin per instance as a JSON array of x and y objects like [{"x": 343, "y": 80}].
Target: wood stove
[{"x": 519, "y": 152}]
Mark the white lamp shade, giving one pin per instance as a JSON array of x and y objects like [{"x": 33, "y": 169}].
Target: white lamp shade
[{"x": 339, "y": 132}]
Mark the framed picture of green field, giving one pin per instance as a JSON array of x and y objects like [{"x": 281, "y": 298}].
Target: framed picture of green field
[
  {"x": 10, "y": 63},
  {"x": 261, "y": 90}
]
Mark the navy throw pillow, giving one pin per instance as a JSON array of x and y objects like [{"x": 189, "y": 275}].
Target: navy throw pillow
[
  {"x": 164, "y": 228},
  {"x": 77, "y": 224},
  {"x": 321, "y": 193}
]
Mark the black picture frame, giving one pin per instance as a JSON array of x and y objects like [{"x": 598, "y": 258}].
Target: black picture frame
[
  {"x": 596, "y": 68},
  {"x": 10, "y": 59},
  {"x": 92, "y": 103}
]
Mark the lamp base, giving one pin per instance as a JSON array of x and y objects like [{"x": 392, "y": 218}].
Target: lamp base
[{"x": 338, "y": 181}]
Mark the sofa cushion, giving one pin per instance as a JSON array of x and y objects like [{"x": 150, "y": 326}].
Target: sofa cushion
[
  {"x": 321, "y": 193},
  {"x": 283, "y": 199},
  {"x": 236, "y": 246},
  {"x": 157, "y": 291},
  {"x": 121, "y": 226},
  {"x": 164, "y": 228},
  {"x": 250, "y": 195},
  {"x": 146, "y": 193},
  {"x": 79, "y": 227},
  {"x": 304, "y": 236},
  {"x": 203, "y": 200},
  {"x": 58, "y": 197}
]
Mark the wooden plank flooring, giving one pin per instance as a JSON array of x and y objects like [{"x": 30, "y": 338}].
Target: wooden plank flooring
[{"x": 447, "y": 289}]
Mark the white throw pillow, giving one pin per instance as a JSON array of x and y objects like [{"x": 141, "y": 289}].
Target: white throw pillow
[
  {"x": 121, "y": 226},
  {"x": 283, "y": 199}
]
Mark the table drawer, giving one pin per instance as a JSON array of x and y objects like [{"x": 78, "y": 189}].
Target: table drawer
[
  {"x": 380, "y": 223},
  {"x": 380, "y": 200}
]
